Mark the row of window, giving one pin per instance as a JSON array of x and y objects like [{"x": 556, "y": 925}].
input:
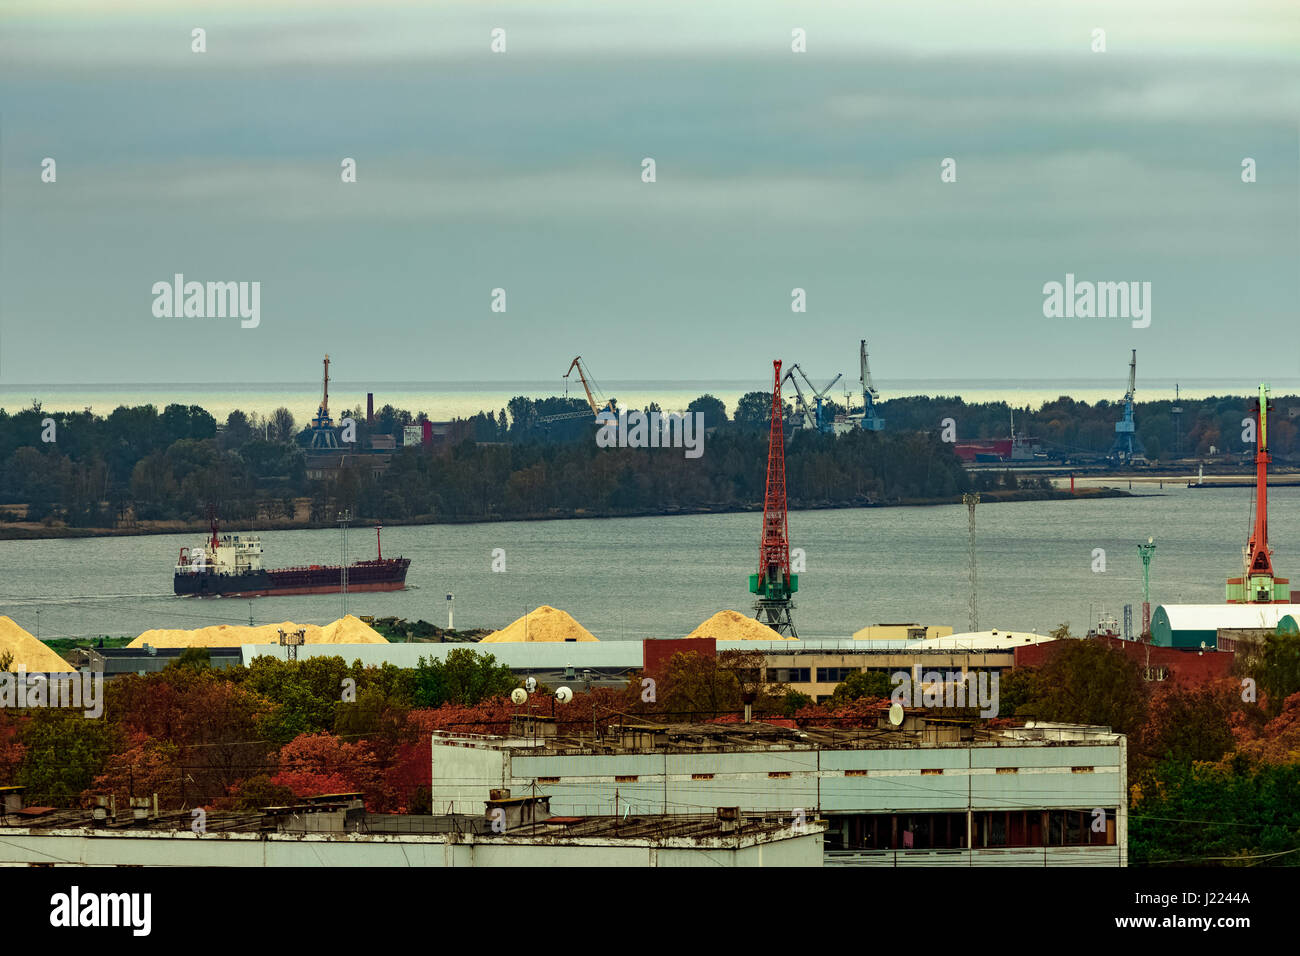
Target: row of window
[
  {"x": 826, "y": 675},
  {"x": 992, "y": 828}
]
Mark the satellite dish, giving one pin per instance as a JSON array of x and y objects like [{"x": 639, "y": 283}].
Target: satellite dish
[
  {"x": 530, "y": 685},
  {"x": 564, "y": 695},
  {"x": 896, "y": 714},
  {"x": 518, "y": 695}
]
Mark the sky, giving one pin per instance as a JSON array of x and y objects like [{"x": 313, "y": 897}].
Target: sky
[{"x": 522, "y": 171}]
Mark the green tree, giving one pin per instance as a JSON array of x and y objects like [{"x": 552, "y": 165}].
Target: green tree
[
  {"x": 714, "y": 409},
  {"x": 863, "y": 684},
  {"x": 1278, "y": 670},
  {"x": 65, "y": 752},
  {"x": 1087, "y": 682}
]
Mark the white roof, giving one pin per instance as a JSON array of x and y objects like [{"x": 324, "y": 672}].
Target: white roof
[
  {"x": 994, "y": 640},
  {"x": 1209, "y": 617}
]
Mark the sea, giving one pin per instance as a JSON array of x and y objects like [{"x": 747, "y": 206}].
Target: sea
[{"x": 1038, "y": 564}]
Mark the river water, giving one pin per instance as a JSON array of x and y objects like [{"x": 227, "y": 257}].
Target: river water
[{"x": 631, "y": 578}]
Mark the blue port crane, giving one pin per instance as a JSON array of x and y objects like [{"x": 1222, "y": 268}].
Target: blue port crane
[
  {"x": 1127, "y": 448},
  {"x": 817, "y": 418},
  {"x": 869, "y": 418}
]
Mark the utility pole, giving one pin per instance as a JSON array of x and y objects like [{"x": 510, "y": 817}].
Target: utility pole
[
  {"x": 344, "y": 517},
  {"x": 971, "y": 500},
  {"x": 1146, "y": 550}
]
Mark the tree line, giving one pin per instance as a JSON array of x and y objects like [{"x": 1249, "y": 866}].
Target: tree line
[{"x": 533, "y": 458}]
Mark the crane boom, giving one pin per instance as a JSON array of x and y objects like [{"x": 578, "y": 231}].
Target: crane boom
[
  {"x": 808, "y": 420},
  {"x": 591, "y": 400}
]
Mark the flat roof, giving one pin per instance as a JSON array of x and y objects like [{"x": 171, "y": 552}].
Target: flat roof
[{"x": 760, "y": 736}]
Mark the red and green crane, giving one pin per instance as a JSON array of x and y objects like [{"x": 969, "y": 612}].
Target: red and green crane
[
  {"x": 1258, "y": 585},
  {"x": 774, "y": 584}
]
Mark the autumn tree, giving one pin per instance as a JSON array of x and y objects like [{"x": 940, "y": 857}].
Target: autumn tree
[{"x": 1087, "y": 682}]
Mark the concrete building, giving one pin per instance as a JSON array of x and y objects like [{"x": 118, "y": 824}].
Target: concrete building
[
  {"x": 335, "y": 830},
  {"x": 929, "y": 792}
]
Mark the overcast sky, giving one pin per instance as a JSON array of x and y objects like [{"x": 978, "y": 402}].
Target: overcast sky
[{"x": 522, "y": 171}]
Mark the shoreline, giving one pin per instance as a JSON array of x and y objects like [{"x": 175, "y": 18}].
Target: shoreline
[{"x": 15, "y": 532}]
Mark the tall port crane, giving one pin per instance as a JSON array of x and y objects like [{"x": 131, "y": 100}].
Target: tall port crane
[
  {"x": 774, "y": 584},
  {"x": 809, "y": 420},
  {"x": 609, "y": 406},
  {"x": 1127, "y": 447},
  {"x": 869, "y": 418},
  {"x": 1258, "y": 585},
  {"x": 322, "y": 426},
  {"x": 820, "y": 421}
]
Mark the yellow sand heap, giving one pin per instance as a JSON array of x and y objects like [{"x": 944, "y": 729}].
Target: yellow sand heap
[
  {"x": 346, "y": 630},
  {"x": 734, "y": 626},
  {"x": 30, "y": 655},
  {"x": 546, "y": 623}
]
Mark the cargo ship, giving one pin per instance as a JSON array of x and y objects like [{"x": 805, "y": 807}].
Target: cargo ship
[{"x": 231, "y": 566}]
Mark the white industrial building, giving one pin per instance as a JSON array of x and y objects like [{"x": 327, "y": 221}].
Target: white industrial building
[
  {"x": 335, "y": 831},
  {"x": 924, "y": 793}
]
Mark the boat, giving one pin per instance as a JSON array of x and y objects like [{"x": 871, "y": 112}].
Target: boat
[{"x": 228, "y": 565}]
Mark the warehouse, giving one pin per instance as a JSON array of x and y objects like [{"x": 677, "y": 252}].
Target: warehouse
[
  {"x": 336, "y": 830},
  {"x": 1197, "y": 626},
  {"x": 924, "y": 792}
]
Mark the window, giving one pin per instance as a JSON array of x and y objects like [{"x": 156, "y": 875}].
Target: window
[
  {"x": 834, "y": 675},
  {"x": 900, "y": 831},
  {"x": 1034, "y": 828},
  {"x": 625, "y": 779},
  {"x": 789, "y": 675},
  {"x": 701, "y": 776}
]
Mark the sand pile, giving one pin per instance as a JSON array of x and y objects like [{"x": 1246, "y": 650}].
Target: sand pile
[
  {"x": 346, "y": 630},
  {"x": 547, "y": 624},
  {"x": 30, "y": 655},
  {"x": 734, "y": 626}
]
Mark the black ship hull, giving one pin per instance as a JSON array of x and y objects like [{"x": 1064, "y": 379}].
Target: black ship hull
[{"x": 387, "y": 574}]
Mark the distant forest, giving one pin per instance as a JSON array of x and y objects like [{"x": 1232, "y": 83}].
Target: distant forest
[{"x": 171, "y": 465}]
